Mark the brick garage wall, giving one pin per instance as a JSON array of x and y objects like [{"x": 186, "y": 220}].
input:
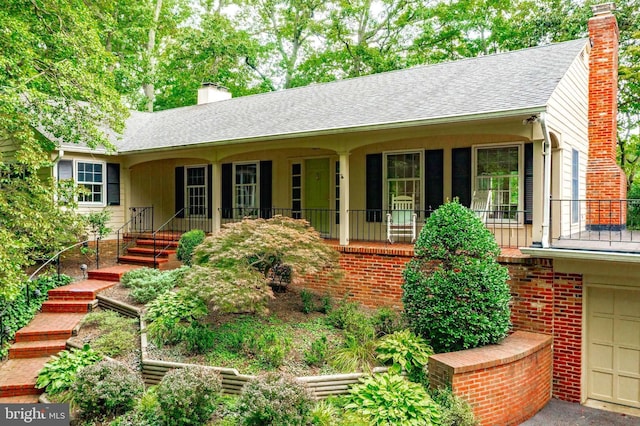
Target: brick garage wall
[
  {"x": 542, "y": 301},
  {"x": 505, "y": 384}
]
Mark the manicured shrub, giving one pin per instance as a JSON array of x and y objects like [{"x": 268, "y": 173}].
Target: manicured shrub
[
  {"x": 275, "y": 399},
  {"x": 105, "y": 389},
  {"x": 188, "y": 396},
  {"x": 455, "y": 292},
  {"x": 60, "y": 372},
  {"x": 147, "y": 284},
  {"x": 406, "y": 352},
  {"x": 188, "y": 242},
  {"x": 390, "y": 399},
  {"x": 454, "y": 410},
  {"x": 170, "y": 314}
]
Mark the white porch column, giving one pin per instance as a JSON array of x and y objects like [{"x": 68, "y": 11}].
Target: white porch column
[
  {"x": 216, "y": 202},
  {"x": 344, "y": 198}
]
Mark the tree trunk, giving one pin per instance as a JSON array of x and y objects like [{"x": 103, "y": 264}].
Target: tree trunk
[{"x": 149, "y": 89}]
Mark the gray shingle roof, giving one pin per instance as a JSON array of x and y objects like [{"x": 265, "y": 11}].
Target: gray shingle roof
[{"x": 507, "y": 82}]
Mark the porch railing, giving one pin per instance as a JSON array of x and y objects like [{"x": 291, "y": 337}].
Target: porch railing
[
  {"x": 140, "y": 222},
  {"x": 593, "y": 224},
  {"x": 182, "y": 221},
  {"x": 509, "y": 227}
]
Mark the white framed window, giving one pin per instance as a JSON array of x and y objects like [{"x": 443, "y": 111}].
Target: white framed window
[
  {"x": 499, "y": 168},
  {"x": 196, "y": 190},
  {"x": 246, "y": 188},
  {"x": 91, "y": 177},
  {"x": 403, "y": 176}
]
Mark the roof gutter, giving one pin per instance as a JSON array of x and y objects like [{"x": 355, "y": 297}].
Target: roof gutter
[
  {"x": 364, "y": 128},
  {"x": 546, "y": 184}
]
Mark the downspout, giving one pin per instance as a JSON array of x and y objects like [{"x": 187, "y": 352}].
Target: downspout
[{"x": 546, "y": 184}]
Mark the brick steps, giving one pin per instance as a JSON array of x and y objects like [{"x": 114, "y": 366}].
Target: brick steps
[
  {"x": 84, "y": 290},
  {"x": 18, "y": 376},
  {"x": 35, "y": 349},
  {"x": 47, "y": 333},
  {"x": 49, "y": 326},
  {"x": 159, "y": 243},
  {"x": 80, "y": 306},
  {"x": 113, "y": 273},
  {"x": 142, "y": 261},
  {"x": 22, "y": 399},
  {"x": 150, "y": 252}
]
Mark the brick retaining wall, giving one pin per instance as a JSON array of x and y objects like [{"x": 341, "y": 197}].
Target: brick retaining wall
[
  {"x": 543, "y": 301},
  {"x": 505, "y": 384}
]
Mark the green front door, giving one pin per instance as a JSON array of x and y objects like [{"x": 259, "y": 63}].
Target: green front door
[{"x": 317, "y": 194}]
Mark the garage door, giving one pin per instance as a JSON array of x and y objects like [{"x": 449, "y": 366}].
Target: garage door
[{"x": 613, "y": 339}]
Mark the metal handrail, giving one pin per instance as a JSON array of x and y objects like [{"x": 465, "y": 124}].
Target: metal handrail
[
  {"x": 127, "y": 224},
  {"x": 156, "y": 253},
  {"x": 33, "y": 275}
]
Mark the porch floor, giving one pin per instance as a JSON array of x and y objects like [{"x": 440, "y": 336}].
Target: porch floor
[{"x": 626, "y": 241}]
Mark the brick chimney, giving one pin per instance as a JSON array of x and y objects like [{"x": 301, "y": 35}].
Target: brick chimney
[
  {"x": 606, "y": 182},
  {"x": 211, "y": 92}
]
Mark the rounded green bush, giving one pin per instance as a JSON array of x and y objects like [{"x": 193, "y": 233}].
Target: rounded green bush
[
  {"x": 188, "y": 396},
  {"x": 455, "y": 293},
  {"x": 188, "y": 242},
  {"x": 275, "y": 399},
  {"x": 106, "y": 388}
]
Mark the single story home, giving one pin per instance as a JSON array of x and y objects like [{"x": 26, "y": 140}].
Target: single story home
[{"x": 526, "y": 137}]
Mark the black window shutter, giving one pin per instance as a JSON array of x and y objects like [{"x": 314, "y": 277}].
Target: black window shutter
[
  {"x": 180, "y": 191},
  {"x": 265, "y": 189},
  {"x": 434, "y": 175},
  {"x": 374, "y": 188},
  {"x": 65, "y": 169},
  {"x": 528, "y": 183},
  {"x": 210, "y": 191},
  {"x": 113, "y": 184},
  {"x": 226, "y": 192},
  {"x": 461, "y": 175}
]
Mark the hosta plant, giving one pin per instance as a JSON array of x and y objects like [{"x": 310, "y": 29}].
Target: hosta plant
[
  {"x": 406, "y": 352},
  {"x": 60, "y": 372},
  {"x": 390, "y": 399}
]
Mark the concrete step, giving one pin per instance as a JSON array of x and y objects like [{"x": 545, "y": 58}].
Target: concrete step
[
  {"x": 82, "y": 290},
  {"x": 113, "y": 273},
  {"x": 49, "y": 326},
  {"x": 18, "y": 376},
  {"x": 148, "y": 251},
  {"x": 36, "y": 349},
  {"x": 69, "y": 305}
]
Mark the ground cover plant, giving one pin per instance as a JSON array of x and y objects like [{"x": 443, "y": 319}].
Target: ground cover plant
[
  {"x": 20, "y": 309},
  {"x": 455, "y": 292},
  {"x": 59, "y": 374}
]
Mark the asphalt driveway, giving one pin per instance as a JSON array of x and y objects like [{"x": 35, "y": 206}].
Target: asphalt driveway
[{"x": 563, "y": 413}]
